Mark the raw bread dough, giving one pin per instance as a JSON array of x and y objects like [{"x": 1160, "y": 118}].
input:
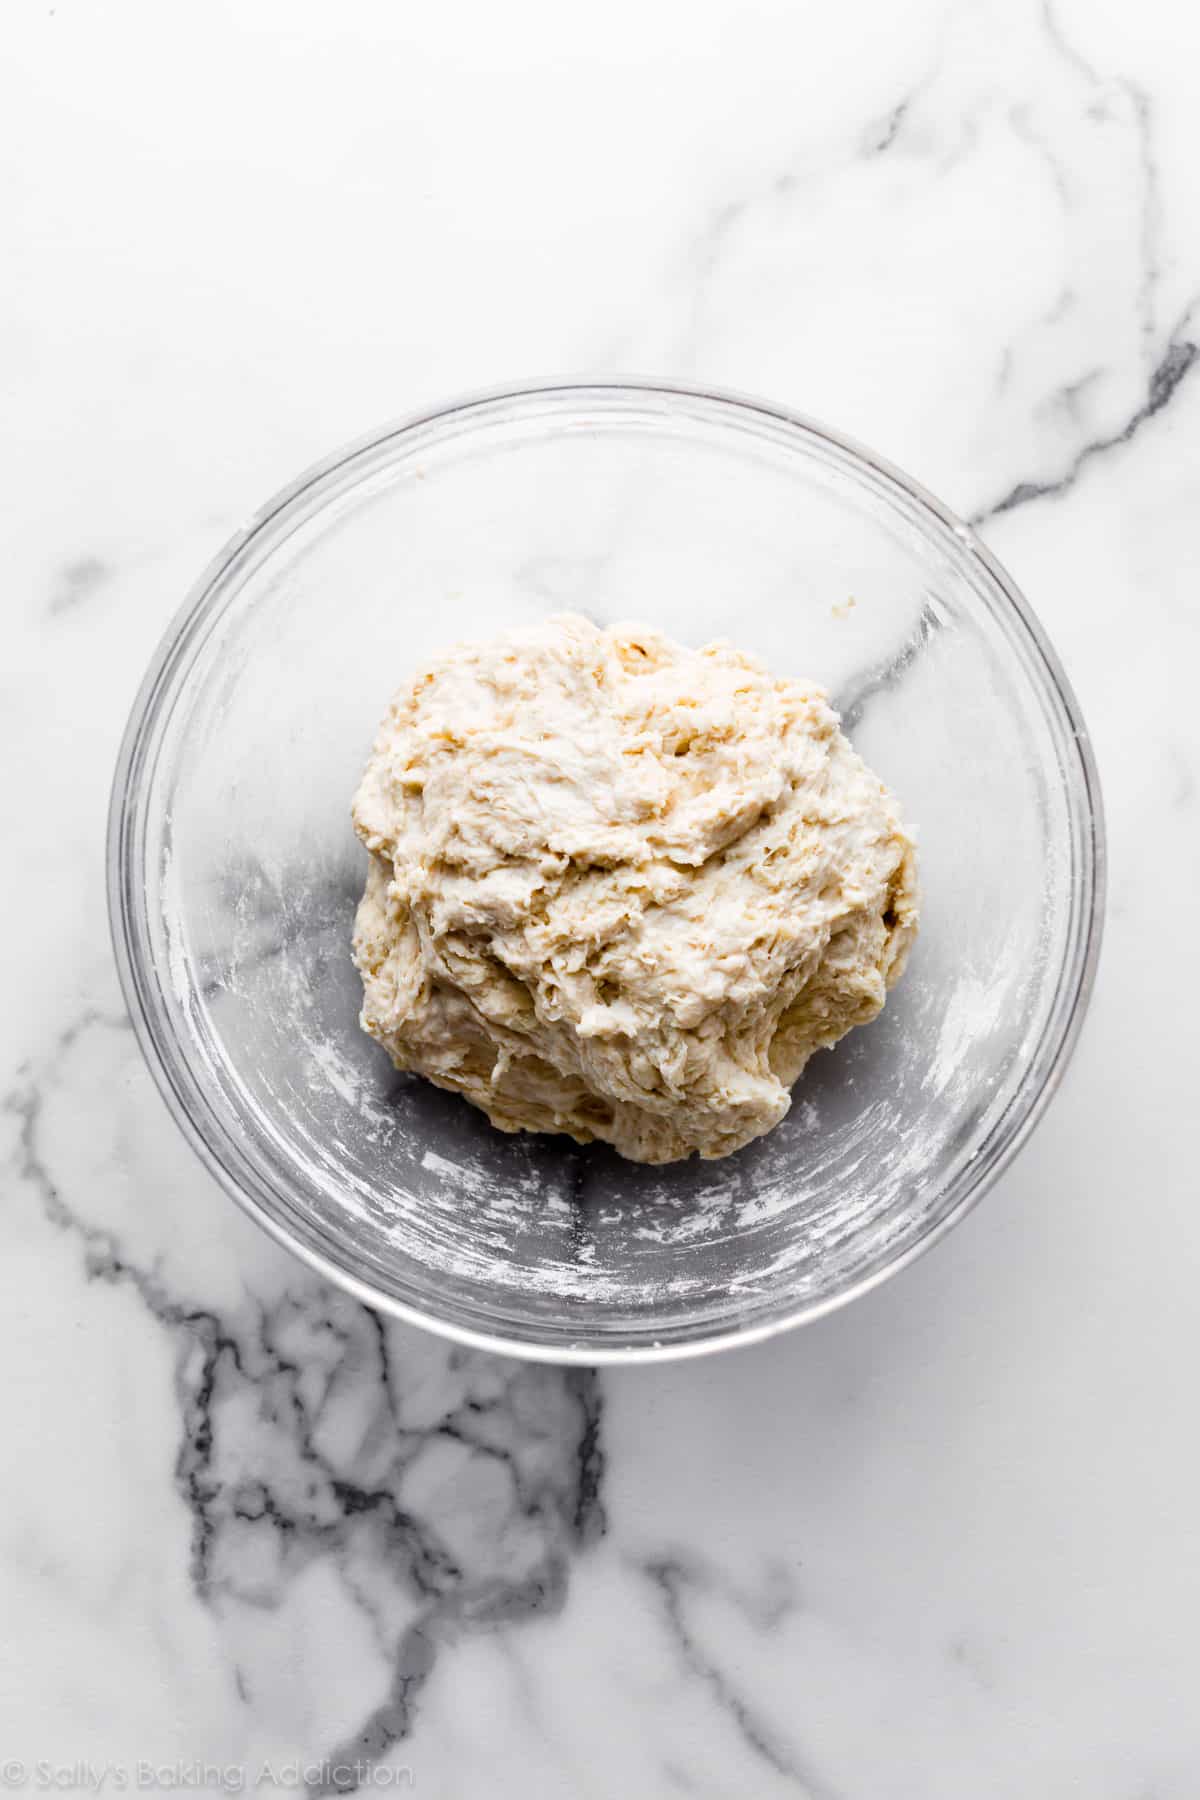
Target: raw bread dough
[{"x": 621, "y": 889}]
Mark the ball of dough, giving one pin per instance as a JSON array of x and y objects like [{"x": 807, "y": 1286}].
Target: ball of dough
[{"x": 621, "y": 889}]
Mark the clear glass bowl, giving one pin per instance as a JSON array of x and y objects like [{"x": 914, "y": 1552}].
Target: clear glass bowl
[{"x": 234, "y": 871}]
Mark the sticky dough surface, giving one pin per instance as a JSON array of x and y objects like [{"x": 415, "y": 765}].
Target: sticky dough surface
[{"x": 622, "y": 889}]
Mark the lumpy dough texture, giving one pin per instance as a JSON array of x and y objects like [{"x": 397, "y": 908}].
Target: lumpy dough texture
[{"x": 621, "y": 889}]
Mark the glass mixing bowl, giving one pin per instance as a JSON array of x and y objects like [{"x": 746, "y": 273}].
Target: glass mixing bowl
[{"x": 234, "y": 871}]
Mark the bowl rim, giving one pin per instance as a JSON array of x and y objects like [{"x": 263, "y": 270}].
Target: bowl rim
[{"x": 151, "y": 1038}]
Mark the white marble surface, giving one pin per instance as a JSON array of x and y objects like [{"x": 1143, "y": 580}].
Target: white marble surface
[{"x": 946, "y": 1544}]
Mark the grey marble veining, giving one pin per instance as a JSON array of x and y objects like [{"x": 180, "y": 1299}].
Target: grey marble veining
[{"x": 446, "y": 1492}]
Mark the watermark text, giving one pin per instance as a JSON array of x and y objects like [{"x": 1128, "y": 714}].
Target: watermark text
[{"x": 189, "y": 1774}]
